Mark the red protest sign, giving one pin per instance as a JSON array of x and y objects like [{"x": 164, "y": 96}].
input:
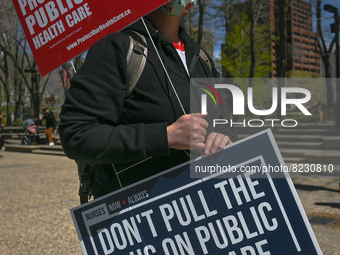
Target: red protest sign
[{"x": 59, "y": 30}]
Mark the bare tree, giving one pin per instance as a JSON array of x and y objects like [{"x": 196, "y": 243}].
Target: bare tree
[
  {"x": 7, "y": 34},
  {"x": 34, "y": 85},
  {"x": 201, "y": 7},
  {"x": 18, "y": 69},
  {"x": 18, "y": 85},
  {"x": 4, "y": 78},
  {"x": 222, "y": 13},
  {"x": 255, "y": 11},
  {"x": 282, "y": 9},
  {"x": 325, "y": 52}
]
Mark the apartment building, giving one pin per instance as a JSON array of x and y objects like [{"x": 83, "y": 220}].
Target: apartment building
[
  {"x": 303, "y": 39},
  {"x": 301, "y": 44}
]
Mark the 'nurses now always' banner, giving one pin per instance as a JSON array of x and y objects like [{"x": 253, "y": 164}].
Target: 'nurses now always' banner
[
  {"x": 233, "y": 213},
  {"x": 59, "y": 30}
]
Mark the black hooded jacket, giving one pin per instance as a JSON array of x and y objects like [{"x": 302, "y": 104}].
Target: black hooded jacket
[
  {"x": 99, "y": 126},
  {"x": 50, "y": 120}
]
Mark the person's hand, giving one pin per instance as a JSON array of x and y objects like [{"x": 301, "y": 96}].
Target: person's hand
[
  {"x": 188, "y": 132},
  {"x": 216, "y": 142}
]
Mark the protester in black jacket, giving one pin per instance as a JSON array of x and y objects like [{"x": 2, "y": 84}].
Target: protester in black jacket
[{"x": 147, "y": 132}]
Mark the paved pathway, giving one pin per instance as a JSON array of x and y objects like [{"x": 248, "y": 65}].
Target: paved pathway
[{"x": 37, "y": 192}]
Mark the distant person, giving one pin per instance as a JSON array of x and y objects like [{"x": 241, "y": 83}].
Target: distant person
[
  {"x": 50, "y": 124},
  {"x": 2, "y": 139}
]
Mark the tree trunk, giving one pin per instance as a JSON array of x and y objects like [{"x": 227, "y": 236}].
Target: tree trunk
[
  {"x": 325, "y": 53},
  {"x": 6, "y": 85},
  {"x": 201, "y": 6},
  {"x": 282, "y": 54},
  {"x": 19, "y": 90},
  {"x": 18, "y": 100},
  {"x": 9, "y": 109},
  {"x": 328, "y": 74},
  {"x": 253, "y": 21}
]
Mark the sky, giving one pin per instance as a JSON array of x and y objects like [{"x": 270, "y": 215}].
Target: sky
[{"x": 326, "y": 16}]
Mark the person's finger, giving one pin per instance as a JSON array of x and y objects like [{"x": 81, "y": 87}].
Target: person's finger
[
  {"x": 198, "y": 114},
  {"x": 216, "y": 142},
  {"x": 225, "y": 141},
  {"x": 198, "y": 146},
  {"x": 198, "y": 119},
  {"x": 204, "y": 123},
  {"x": 208, "y": 144},
  {"x": 197, "y": 128}
]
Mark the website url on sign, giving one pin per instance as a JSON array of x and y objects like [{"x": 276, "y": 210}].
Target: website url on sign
[
  {"x": 291, "y": 168},
  {"x": 99, "y": 29}
]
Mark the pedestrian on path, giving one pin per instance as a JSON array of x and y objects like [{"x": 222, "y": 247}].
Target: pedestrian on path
[{"x": 50, "y": 124}]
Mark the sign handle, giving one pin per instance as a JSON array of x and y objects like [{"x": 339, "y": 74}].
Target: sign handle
[
  {"x": 114, "y": 168},
  {"x": 74, "y": 69}
]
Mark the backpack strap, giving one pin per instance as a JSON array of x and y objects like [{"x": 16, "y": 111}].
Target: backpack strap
[
  {"x": 86, "y": 175},
  {"x": 205, "y": 58},
  {"x": 136, "y": 60},
  {"x": 195, "y": 58}
]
